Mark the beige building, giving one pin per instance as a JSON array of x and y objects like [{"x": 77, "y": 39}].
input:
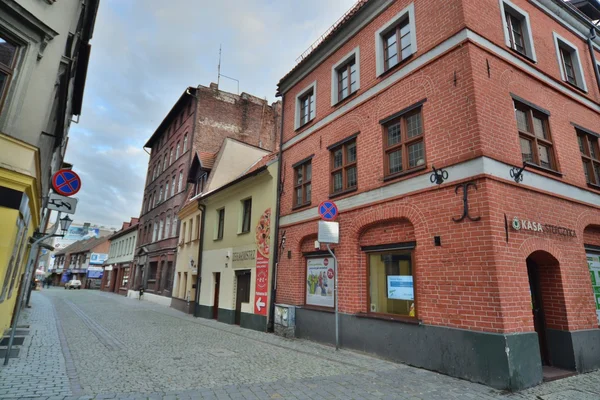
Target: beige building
[
  {"x": 208, "y": 172},
  {"x": 236, "y": 268}
]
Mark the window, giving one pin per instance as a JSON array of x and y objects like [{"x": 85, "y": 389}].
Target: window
[
  {"x": 8, "y": 53},
  {"x": 343, "y": 167},
  {"x": 391, "y": 289},
  {"x": 517, "y": 29},
  {"x": 125, "y": 279},
  {"x": 174, "y": 226},
  {"x": 177, "y": 151},
  {"x": 246, "y": 215},
  {"x": 167, "y": 189},
  {"x": 180, "y": 181},
  {"x": 534, "y": 136},
  {"x": 155, "y": 199},
  {"x": 167, "y": 226},
  {"x": 590, "y": 154},
  {"x": 396, "y": 41},
  {"x": 569, "y": 62},
  {"x": 191, "y": 229},
  {"x": 171, "y": 157},
  {"x": 345, "y": 77},
  {"x": 152, "y": 271},
  {"x": 160, "y": 194},
  {"x": 182, "y": 239},
  {"x": 165, "y": 163},
  {"x": 155, "y": 232},
  {"x": 161, "y": 229},
  {"x": 173, "y": 187},
  {"x": 305, "y": 105},
  {"x": 185, "y": 143},
  {"x": 302, "y": 184},
  {"x": 199, "y": 185},
  {"x": 198, "y": 227},
  {"x": 221, "y": 223},
  {"x": 403, "y": 143}
]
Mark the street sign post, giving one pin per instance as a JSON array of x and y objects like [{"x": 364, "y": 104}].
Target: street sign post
[
  {"x": 57, "y": 202},
  {"x": 66, "y": 182},
  {"x": 329, "y": 232}
]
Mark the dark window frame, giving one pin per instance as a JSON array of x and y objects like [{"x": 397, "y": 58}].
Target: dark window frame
[
  {"x": 305, "y": 112},
  {"x": 220, "y": 223},
  {"x": 534, "y": 139},
  {"x": 590, "y": 155},
  {"x": 246, "y": 215},
  {"x": 404, "y": 143},
  {"x": 346, "y": 67},
  {"x": 511, "y": 19},
  {"x": 8, "y": 70},
  {"x": 566, "y": 54},
  {"x": 395, "y": 31},
  {"x": 302, "y": 186},
  {"x": 345, "y": 166}
]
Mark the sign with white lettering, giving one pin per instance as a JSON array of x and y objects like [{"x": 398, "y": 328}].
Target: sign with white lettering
[{"x": 524, "y": 224}]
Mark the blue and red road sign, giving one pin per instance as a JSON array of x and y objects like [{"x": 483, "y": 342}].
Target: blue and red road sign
[
  {"x": 328, "y": 210},
  {"x": 66, "y": 182}
]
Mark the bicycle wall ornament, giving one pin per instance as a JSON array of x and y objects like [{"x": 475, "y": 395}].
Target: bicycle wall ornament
[
  {"x": 517, "y": 173},
  {"x": 438, "y": 176},
  {"x": 465, "y": 186}
]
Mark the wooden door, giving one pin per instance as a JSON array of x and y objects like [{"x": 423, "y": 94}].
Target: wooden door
[
  {"x": 537, "y": 309},
  {"x": 216, "y": 299},
  {"x": 242, "y": 293}
]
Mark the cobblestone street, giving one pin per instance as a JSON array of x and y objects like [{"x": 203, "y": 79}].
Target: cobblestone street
[{"x": 89, "y": 344}]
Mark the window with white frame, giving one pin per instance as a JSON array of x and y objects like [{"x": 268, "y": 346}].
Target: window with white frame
[
  {"x": 517, "y": 29},
  {"x": 185, "y": 141},
  {"x": 180, "y": 180},
  {"x": 174, "y": 226},
  {"x": 306, "y": 102},
  {"x": 569, "y": 63},
  {"x": 160, "y": 229},
  {"x": 167, "y": 189},
  {"x": 155, "y": 231},
  {"x": 345, "y": 76},
  {"x": 396, "y": 40},
  {"x": 167, "y": 226}
]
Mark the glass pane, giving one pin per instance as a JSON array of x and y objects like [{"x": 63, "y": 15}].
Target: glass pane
[
  {"x": 308, "y": 170},
  {"x": 592, "y": 146},
  {"x": 597, "y": 173},
  {"x": 544, "y": 154},
  {"x": 3, "y": 79},
  {"x": 351, "y": 177},
  {"x": 312, "y": 107},
  {"x": 586, "y": 171},
  {"x": 526, "y": 150},
  {"x": 308, "y": 191},
  {"x": 351, "y": 153},
  {"x": 392, "y": 50},
  {"x": 299, "y": 176},
  {"x": 299, "y": 195},
  {"x": 395, "y": 161},
  {"x": 337, "y": 158},
  {"x": 406, "y": 52},
  {"x": 539, "y": 128},
  {"x": 7, "y": 52},
  {"x": 414, "y": 125},
  {"x": 416, "y": 156},
  {"x": 337, "y": 182},
  {"x": 393, "y": 134},
  {"x": 522, "y": 120},
  {"x": 391, "y": 284},
  {"x": 581, "y": 146}
]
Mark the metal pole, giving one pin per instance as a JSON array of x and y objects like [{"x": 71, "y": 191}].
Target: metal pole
[
  {"x": 24, "y": 280},
  {"x": 335, "y": 292}
]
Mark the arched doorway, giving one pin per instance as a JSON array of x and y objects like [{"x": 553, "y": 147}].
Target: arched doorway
[{"x": 547, "y": 300}]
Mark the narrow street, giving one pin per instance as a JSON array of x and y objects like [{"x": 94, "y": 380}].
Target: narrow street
[{"x": 89, "y": 344}]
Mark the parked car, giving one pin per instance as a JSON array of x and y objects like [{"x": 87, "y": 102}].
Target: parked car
[{"x": 73, "y": 284}]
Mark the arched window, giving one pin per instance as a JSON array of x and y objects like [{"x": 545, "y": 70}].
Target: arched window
[
  {"x": 167, "y": 189},
  {"x": 180, "y": 181},
  {"x": 174, "y": 226},
  {"x": 155, "y": 231},
  {"x": 173, "y": 187},
  {"x": 168, "y": 226},
  {"x": 165, "y": 163},
  {"x": 171, "y": 157},
  {"x": 185, "y": 143},
  {"x": 160, "y": 193},
  {"x": 177, "y": 151},
  {"x": 160, "y": 229}
]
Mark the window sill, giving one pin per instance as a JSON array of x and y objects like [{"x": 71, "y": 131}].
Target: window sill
[
  {"x": 342, "y": 101},
  {"x": 593, "y": 186},
  {"x": 405, "y": 173},
  {"x": 217, "y": 239},
  {"x": 579, "y": 89},
  {"x": 243, "y": 233},
  {"x": 343, "y": 192},
  {"x": 387, "y": 317},
  {"x": 544, "y": 169},
  {"x": 318, "y": 308},
  {"x": 521, "y": 55},
  {"x": 300, "y": 206},
  {"x": 395, "y": 67},
  {"x": 304, "y": 126}
]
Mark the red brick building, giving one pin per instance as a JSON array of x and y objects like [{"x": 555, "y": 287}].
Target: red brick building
[
  {"x": 118, "y": 265},
  {"x": 445, "y": 276},
  {"x": 194, "y": 128}
]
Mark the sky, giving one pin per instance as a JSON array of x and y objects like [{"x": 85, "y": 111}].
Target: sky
[{"x": 146, "y": 52}]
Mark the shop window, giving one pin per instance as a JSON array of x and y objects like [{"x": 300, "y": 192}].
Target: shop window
[
  {"x": 8, "y": 55},
  {"x": 246, "y": 215},
  {"x": 343, "y": 167},
  {"x": 403, "y": 143},
  {"x": 220, "y": 224},
  {"x": 345, "y": 77},
  {"x": 306, "y": 102},
  {"x": 302, "y": 184},
  {"x": 391, "y": 289},
  {"x": 396, "y": 41},
  {"x": 590, "y": 155},
  {"x": 517, "y": 29},
  {"x": 569, "y": 63},
  {"x": 534, "y": 137},
  {"x": 125, "y": 279}
]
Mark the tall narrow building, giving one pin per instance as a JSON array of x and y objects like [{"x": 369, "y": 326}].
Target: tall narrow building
[{"x": 195, "y": 127}]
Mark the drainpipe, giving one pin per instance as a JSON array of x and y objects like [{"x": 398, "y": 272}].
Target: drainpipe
[
  {"x": 591, "y": 47},
  {"x": 270, "y": 324},
  {"x": 202, "y": 208}
]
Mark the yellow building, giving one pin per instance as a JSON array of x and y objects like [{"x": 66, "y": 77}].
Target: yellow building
[{"x": 237, "y": 269}]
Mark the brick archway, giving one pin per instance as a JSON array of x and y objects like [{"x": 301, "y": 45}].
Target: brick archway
[{"x": 534, "y": 244}]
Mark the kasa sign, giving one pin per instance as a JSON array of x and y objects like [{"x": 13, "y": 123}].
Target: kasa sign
[{"x": 523, "y": 224}]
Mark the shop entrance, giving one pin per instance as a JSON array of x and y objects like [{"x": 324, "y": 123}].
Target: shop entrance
[
  {"x": 537, "y": 308},
  {"x": 216, "y": 299},
  {"x": 242, "y": 293}
]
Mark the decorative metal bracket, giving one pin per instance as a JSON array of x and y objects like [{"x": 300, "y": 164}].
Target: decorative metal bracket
[
  {"x": 438, "y": 176},
  {"x": 465, "y": 187},
  {"x": 517, "y": 173}
]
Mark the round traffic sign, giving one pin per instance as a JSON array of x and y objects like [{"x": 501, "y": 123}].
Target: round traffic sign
[
  {"x": 328, "y": 210},
  {"x": 66, "y": 182}
]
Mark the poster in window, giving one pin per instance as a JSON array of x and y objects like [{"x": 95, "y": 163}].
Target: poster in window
[
  {"x": 593, "y": 260},
  {"x": 400, "y": 287},
  {"x": 320, "y": 282}
]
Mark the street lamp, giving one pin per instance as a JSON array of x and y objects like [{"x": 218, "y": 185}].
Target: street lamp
[{"x": 65, "y": 223}]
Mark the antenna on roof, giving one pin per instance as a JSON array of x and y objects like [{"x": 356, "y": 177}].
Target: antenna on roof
[{"x": 225, "y": 76}]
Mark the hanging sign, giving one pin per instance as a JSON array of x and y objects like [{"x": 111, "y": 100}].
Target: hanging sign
[
  {"x": 61, "y": 203},
  {"x": 262, "y": 237},
  {"x": 328, "y": 210},
  {"x": 66, "y": 182}
]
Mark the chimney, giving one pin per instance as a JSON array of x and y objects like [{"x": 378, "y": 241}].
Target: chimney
[{"x": 214, "y": 86}]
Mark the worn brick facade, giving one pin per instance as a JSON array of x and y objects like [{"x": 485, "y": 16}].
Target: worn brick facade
[
  {"x": 478, "y": 278},
  {"x": 205, "y": 116}
]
